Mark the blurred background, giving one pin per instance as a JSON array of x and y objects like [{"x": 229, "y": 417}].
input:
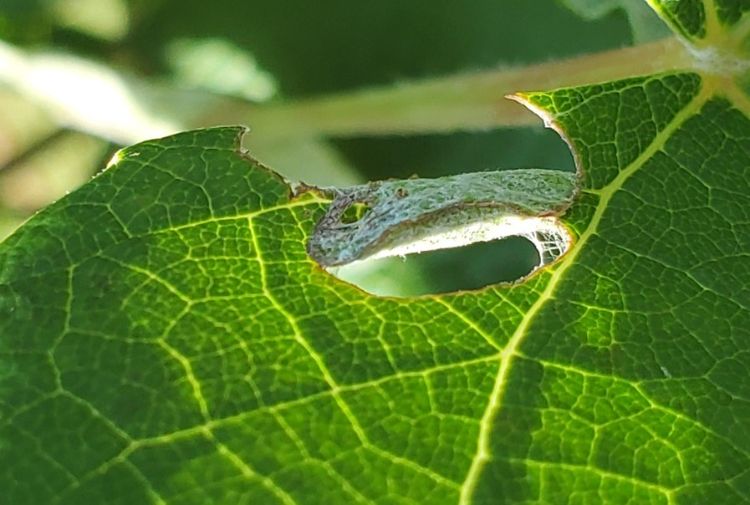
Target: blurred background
[{"x": 81, "y": 78}]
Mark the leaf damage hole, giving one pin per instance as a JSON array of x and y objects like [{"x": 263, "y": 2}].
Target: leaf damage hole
[
  {"x": 471, "y": 267},
  {"x": 355, "y": 212},
  {"x": 399, "y": 218}
]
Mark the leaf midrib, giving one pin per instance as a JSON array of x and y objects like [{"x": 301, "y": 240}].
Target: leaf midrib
[{"x": 495, "y": 403}]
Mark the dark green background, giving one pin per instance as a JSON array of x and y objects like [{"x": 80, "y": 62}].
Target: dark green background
[{"x": 335, "y": 45}]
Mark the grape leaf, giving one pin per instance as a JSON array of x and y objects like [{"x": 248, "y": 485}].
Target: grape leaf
[{"x": 165, "y": 338}]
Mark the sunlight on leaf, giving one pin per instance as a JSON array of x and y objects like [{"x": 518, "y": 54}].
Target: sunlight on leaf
[{"x": 165, "y": 337}]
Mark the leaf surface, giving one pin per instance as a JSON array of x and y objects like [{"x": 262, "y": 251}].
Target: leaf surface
[{"x": 165, "y": 338}]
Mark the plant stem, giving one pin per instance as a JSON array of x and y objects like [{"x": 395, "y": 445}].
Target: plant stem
[
  {"x": 472, "y": 101},
  {"x": 32, "y": 150},
  {"x": 125, "y": 109}
]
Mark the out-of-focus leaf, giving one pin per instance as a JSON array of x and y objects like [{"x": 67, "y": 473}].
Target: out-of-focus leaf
[
  {"x": 221, "y": 67},
  {"x": 645, "y": 24}
]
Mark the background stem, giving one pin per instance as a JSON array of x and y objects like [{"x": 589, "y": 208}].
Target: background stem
[{"x": 473, "y": 101}]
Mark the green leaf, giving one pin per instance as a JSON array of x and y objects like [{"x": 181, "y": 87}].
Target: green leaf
[
  {"x": 704, "y": 21},
  {"x": 165, "y": 338}
]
